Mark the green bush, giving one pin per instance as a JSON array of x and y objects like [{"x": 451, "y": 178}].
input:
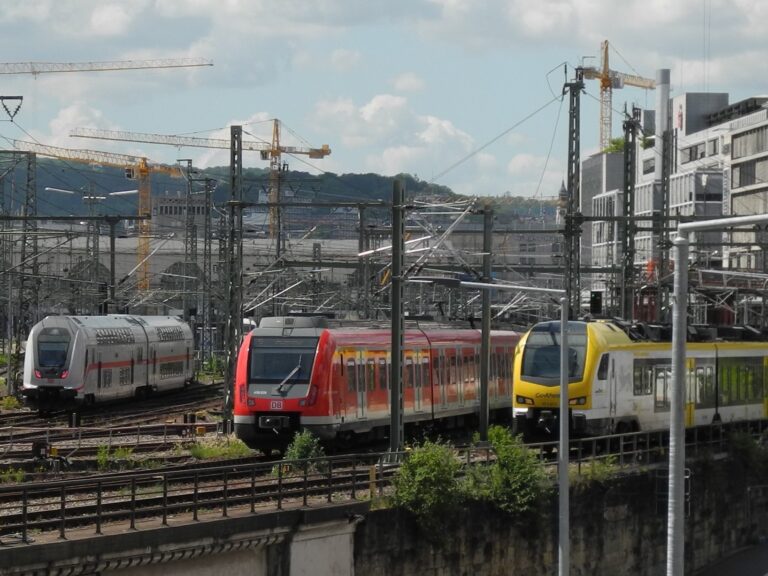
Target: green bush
[
  {"x": 515, "y": 482},
  {"x": 595, "y": 471},
  {"x": 9, "y": 402},
  {"x": 11, "y": 475},
  {"x": 118, "y": 458},
  {"x": 304, "y": 446},
  {"x": 220, "y": 448},
  {"x": 427, "y": 485}
]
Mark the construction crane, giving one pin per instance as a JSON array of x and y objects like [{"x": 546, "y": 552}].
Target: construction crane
[
  {"x": 135, "y": 167},
  {"x": 36, "y": 68},
  {"x": 271, "y": 151},
  {"x": 609, "y": 80}
]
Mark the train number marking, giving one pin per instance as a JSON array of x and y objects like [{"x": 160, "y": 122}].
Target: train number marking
[{"x": 276, "y": 405}]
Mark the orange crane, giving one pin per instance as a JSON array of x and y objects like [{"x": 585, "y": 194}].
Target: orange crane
[
  {"x": 610, "y": 79},
  {"x": 135, "y": 166},
  {"x": 269, "y": 151}
]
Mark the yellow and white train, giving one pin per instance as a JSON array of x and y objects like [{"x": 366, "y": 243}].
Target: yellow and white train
[{"x": 621, "y": 384}]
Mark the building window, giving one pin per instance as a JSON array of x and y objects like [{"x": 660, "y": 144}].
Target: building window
[{"x": 750, "y": 142}]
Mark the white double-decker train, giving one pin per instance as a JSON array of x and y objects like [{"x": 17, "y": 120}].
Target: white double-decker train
[{"x": 75, "y": 360}]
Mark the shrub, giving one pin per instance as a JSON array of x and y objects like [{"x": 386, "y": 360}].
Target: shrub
[
  {"x": 118, "y": 458},
  {"x": 219, "y": 448},
  {"x": 596, "y": 471},
  {"x": 304, "y": 446},
  {"x": 427, "y": 485},
  {"x": 9, "y": 402},
  {"x": 11, "y": 475},
  {"x": 515, "y": 481}
]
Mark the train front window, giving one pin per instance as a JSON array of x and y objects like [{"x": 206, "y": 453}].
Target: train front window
[
  {"x": 280, "y": 365},
  {"x": 52, "y": 347},
  {"x": 541, "y": 357}
]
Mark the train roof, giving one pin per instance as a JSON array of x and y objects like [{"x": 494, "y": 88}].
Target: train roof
[
  {"x": 648, "y": 332},
  {"x": 375, "y": 333},
  {"x": 116, "y": 320}
]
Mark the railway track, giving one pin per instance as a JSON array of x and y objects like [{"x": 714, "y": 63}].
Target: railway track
[{"x": 146, "y": 427}]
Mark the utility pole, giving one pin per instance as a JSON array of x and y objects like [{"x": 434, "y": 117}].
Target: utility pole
[
  {"x": 629, "y": 229},
  {"x": 208, "y": 309},
  {"x": 661, "y": 245},
  {"x": 396, "y": 431},
  {"x": 28, "y": 278},
  {"x": 573, "y": 206},
  {"x": 485, "y": 344},
  {"x": 234, "y": 320},
  {"x": 190, "y": 248}
]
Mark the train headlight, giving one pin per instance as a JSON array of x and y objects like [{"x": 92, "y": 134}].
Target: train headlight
[
  {"x": 251, "y": 401},
  {"x": 64, "y": 373},
  {"x": 524, "y": 400},
  {"x": 38, "y": 374},
  {"x": 580, "y": 401}
]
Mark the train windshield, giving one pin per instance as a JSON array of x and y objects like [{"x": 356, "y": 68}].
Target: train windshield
[
  {"x": 52, "y": 347},
  {"x": 280, "y": 365},
  {"x": 541, "y": 357}
]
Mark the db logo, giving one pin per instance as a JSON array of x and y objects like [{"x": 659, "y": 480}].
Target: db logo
[{"x": 276, "y": 405}]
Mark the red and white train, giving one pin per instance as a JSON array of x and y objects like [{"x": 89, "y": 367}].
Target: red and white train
[
  {"x": 73, "y": 360},
  {"x": 298, "y": 373}
]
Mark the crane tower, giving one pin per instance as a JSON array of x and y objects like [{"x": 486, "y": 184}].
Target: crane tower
[{"x": 610, "y": 79}]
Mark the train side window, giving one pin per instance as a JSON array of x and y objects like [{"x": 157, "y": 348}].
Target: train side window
[
  {"x": 361, "y": 376},
  {"x": 371, "y": 374},
  {"x": 602, "y": 369},
  {"x": 351, "y": 373},
  {"x": 638, "y": 387},
  {"x": 408, "y": 373},
  {"x": 383, "y": 378},
  {"x": 425, "y": 370},
  {"x": 661, "y": 383}
]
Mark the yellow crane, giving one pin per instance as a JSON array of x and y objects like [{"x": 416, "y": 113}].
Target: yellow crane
[
  {"x": 135, "y": 167},
  {"x": 609, "y": 80},
  {"x": 271, "y": 151}
]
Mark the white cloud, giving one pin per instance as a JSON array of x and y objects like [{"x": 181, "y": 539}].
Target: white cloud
[
  {"x": 408, "y": 82},
  {"x": 110, "y": 20},
  {"x": 76, "y": 115}
]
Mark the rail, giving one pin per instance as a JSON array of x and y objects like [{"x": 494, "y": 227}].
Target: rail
[{"x": 131, "y": 498}]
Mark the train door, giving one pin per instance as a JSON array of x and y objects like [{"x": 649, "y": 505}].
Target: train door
[
  {"x": 426, "y": 389},
  {"x": 384, "y": 379},
  {"x": 99, "y": 392},
  {"x": 362, "y": 393},
  {"x": 416, "y": 380},
  {"x": 607, "y": 369},
  {"x": 442, "y": 377},
  {"x": 460, "y": 377},
  {"x": 690, "y": 391}
]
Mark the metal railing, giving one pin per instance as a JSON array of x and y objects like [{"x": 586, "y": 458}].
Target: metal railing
[{"x": 214, "y": 491}]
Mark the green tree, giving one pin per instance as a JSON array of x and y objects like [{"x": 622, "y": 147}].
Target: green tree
[{"x": 614, "y": 145}]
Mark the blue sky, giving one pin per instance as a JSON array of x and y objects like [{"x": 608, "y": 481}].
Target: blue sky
[{"x": 392, "y": 86}]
